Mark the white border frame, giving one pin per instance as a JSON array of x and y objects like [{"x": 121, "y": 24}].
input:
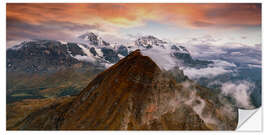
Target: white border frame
[{"x": 265, "y": 69}]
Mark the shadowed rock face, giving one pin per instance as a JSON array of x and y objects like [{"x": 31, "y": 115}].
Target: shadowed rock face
[
  {"x": 110, "y": 55},
  {"x": 43, "y": 56},
  {"x": 135, "y": 94}
]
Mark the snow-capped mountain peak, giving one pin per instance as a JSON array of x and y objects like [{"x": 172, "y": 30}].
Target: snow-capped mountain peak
[
  {"x": 94, "y": 39},
  {"x": 149, "y": 42}
]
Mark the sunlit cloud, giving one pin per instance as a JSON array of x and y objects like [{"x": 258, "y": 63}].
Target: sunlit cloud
[{"x": 42, "y": 20}]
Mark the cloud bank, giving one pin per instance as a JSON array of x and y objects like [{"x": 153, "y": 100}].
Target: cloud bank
[
  {"x": 240, "y": 91},
  {"x": 219, "y": 67}
]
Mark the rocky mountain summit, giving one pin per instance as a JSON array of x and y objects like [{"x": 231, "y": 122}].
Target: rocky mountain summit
[{"x": 135, "y": 94}]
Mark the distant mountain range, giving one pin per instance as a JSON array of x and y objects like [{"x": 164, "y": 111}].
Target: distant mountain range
[
  {"x": 50, "y": 68},
  {"x": 49, "y": 55}
]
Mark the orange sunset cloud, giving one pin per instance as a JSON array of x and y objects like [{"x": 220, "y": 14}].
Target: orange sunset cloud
[
  {"x": 69, "y": 18},
  {"x": 130, "y": 14}
]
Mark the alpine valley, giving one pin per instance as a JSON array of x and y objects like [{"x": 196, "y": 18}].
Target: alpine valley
[{"x": 150, "y": 84}]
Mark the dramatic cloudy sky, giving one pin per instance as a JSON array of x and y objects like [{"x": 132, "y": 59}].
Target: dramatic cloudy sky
[{"x": 221, "y": 24}]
